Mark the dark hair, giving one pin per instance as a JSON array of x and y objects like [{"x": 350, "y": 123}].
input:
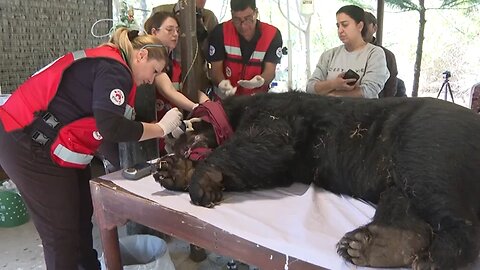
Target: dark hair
[
  {"x": 156, "y": 20},
  {"x": 239, "y": 5},
  {"x": 370, "y": 18},
  {"x": 356, "y": 13}
]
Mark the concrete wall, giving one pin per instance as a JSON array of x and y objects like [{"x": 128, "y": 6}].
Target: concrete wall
[{"x": 35, "y": 32}]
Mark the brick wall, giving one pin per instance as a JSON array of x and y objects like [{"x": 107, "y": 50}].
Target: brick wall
[{"x": 35, "y": 32}]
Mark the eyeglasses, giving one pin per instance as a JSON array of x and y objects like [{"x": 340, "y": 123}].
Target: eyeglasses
[
  {"x": 171, "y": 30},
  {"x": 248, "y": 20}
]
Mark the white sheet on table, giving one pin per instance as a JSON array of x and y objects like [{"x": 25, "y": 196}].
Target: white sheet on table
[{"x": 302, "y": 221}]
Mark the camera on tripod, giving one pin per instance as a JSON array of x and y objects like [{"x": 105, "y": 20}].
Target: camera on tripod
[
  {"x": 447, "y": 74},
  {"x": 446, "y": 86}
]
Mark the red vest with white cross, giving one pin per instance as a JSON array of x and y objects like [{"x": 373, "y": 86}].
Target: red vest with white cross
[
  {"x": 233, "y": 67},
  {"x": 76, "y": 142}
]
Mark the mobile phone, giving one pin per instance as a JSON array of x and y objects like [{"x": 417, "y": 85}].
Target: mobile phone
[
  {"x": 350, "y": 74},
  {"x": 138, "y": 171}
]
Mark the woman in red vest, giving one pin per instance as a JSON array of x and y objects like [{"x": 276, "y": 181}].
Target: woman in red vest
[
  {"x": 54, "y": 122},
  {"x": 164, "y": 26}
]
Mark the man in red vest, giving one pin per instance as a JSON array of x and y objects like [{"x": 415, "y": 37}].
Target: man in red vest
[{"x": 243, "y": 52}]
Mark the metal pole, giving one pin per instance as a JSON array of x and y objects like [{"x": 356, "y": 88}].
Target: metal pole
[
  {"x": 290, "y": 50},
  {"x": 189, "y": 47}
]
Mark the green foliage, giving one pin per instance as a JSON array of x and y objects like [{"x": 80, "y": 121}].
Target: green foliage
[{"x": 403, "y": 5}]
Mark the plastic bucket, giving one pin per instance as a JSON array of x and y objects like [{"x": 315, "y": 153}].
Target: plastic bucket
[
  {"x": 13, "y": 211},
  {"x": 143, "y": 252}
]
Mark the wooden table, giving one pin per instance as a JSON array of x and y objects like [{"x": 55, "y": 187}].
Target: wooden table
[{"x": 114, "y": 206}]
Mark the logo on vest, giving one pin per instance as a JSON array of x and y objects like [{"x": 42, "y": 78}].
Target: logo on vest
[
  {"x": 211, "y": 50},
  {"x": 117, "y": 97},
  {"x": 279, "y": 52},
  {"x": 228, "y": 71},
  {"x": 97, "y": 136}
]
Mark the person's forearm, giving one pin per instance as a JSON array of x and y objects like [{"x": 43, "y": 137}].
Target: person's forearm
[
  {"x": 202, "y": 97},
  {"x": 268, "y": 73},
  {"x": 180, "y": 100},
  {"x": 323, "y": 87},
  {"x": 216, "y": 73},
  {"x": 357, "y": 92},
  {"x": 151, "y": 131}
]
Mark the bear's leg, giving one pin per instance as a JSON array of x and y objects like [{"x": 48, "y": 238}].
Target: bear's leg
[
  {"x": 249, "y": 160},
  {"x": 394, "y": 238},
  {"x": 455, "y": 242}
]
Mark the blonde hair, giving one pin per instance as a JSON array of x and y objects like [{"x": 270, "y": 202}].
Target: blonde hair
[{"x": 129, "y": 40}]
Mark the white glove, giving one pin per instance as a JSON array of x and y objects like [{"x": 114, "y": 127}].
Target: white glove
[
  {"x": 177, "y": 132},
  {"x": 170, "y": 121},
  {"x": 225, "y": 89},
  {"x": 255, "y": 82}
]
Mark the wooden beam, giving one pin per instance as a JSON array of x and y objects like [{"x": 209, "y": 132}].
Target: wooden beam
[
  {"x": 380, "y": 13},
  {"x": 188, "y": 44}
]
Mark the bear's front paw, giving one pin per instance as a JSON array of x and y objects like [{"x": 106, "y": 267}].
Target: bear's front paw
[
  {"x": 206, "y": 187},
  {"x": 174, "y": 173}
]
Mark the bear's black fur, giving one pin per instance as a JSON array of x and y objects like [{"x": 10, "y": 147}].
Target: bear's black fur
[{"x": 417, "y": 159}]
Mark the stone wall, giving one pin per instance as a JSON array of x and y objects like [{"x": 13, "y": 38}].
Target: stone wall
[{"x": 33, "y": 33}]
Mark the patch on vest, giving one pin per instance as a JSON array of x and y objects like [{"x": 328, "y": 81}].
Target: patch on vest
[
  {"x": 211, "y": 50},
  {"x": 279, "y": 52},
  {"x": 228, "y": 71},
  {"x": 97, "y": 136},
  {"x": 117, "y": 97}
]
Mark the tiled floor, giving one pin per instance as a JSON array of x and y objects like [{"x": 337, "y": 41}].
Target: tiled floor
[{"x": 21, "y": 249}]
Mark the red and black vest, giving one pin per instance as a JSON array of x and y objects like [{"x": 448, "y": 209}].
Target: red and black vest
[
  {"x": 76, "y": 142},
  {"x": 234, "y": 68}
]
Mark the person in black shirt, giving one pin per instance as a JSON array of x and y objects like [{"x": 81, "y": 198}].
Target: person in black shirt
[{"x": 53, "y": 123}]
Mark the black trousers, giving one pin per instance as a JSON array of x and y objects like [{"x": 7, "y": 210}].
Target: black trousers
[{"x": 58, "y": 200}]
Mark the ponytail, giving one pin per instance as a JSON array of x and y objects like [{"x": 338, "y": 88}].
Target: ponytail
[{"x": 129, "y": 40}]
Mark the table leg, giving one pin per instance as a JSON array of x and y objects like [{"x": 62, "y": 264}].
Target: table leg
[{"x": 111, "y": 248}]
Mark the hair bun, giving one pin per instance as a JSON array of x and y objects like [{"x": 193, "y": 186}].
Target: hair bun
[{"x": 132, "y": 34}]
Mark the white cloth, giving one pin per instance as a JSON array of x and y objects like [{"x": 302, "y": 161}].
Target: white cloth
[
  {"x": 255, "y": 82},
  {"x": 302, "y": 221},
  {"x": 170, "y": 121},
  {"x": 225, "y": 89}
]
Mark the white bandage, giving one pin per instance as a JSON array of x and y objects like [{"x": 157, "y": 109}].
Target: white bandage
[
  {"x": 170, "y": 121},
  {"x": 225, "y": 89},
  {"x": 255, "y": 82}
]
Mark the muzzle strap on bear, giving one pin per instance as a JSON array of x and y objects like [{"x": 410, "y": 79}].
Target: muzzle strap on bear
[{"x": 213, "y": 113}]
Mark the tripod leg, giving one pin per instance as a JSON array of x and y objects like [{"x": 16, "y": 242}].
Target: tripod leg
[
  {"x": 440, "y": 91},
  {"x": 450, "y": 91}
]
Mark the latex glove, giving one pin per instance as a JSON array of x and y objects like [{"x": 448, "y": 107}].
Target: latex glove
[
  {"x": 170, "y": 121},
  {"x": 177, "y": 132},
  {"x": 187, "y": 126},
  {"x": 255, "y": 82},
  {"x": 225, "y": 89}
]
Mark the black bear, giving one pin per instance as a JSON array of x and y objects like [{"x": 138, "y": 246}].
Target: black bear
[{"x": 417, "y": 159}]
